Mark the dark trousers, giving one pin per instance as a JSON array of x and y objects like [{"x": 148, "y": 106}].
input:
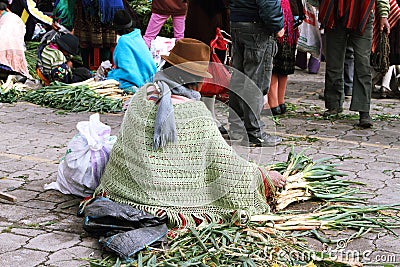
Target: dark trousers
[
  {"x": 348, "y": 74},
  {"x": 253, "y": 50},
  {"x": 337, "y": 41}
]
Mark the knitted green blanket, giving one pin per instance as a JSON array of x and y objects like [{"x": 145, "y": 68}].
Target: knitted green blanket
[{"x": 200, "y": 176}]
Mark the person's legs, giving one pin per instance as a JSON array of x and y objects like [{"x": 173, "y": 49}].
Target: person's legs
[
  {"x": 362, "y": 82},
  {"x": 105, "y": 54},
  {"x": 388, "y": 77},
  {"x": 273, "y": 91},
  {"x": 348, "y": 74},
  {"x": 179, "y": 26},
  {"x": 253, "y": 50},
  {"x": 153, "y": 28},
  {"x": 336, "y": 43},
  {"x": 282, "y": 84},
  {"x": 259, "y": 50},
  {"x": 235, "y": 106},
  {"x": 301, "y": 59},
  {"x": 210, "y": 103}
]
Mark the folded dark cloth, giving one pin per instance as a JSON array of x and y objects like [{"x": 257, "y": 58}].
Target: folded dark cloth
[{"x": 122, "y": 228}]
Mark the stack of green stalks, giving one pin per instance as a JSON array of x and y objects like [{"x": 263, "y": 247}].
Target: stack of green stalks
[
  {"x": 72, "y": 98},
  {"x": 267, "y": 240},
  {"x": 31, "y": 57},
  {"x": 226, "y": 245},
  {"x": 307, "y": 179},
  {"x": 277, "y": 239}
]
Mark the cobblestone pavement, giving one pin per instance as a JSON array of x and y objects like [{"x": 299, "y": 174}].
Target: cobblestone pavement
[{"x": 41, "y": 228}]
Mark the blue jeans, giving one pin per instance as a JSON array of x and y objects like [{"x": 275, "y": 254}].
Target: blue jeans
[{"x": 253, "y": 50}]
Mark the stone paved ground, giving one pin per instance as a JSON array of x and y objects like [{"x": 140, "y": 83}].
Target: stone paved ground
[{"x": 42, "y": 229}]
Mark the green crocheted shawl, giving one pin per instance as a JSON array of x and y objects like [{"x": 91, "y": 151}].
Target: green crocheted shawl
[{"x": 200, "y": 176}]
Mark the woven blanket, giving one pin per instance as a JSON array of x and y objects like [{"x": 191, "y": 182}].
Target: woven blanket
[{"x": 198, "y": 178}]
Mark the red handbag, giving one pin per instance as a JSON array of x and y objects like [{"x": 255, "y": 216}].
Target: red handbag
[{"x": 219, "y": 83}]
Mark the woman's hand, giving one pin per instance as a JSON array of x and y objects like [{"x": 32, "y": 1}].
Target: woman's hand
[
  {"x": 277, "y": 179},
  {"x": 384, "y": 25}
]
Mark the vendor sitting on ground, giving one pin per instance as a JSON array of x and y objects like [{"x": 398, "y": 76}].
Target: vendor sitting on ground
[
  {"x": 134, "y": 64},
  {"x": 170, "y": 157},
  {"x": 55, "y": 61}
]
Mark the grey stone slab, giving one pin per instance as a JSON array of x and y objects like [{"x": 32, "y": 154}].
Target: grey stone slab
[
  {"x": 383, "y": 166},
  {"x": 17, "y": 165},
  {"x": 68, "y": 223},
  {"x": 23, "y": 195},
  {"x": 388, "y": 243},
  {"x": 334, "y": 151},
  {"x": 39, "y": 204},
  {"x": 387, "y": 195},
  {"x": 74, "y": 256},
  {"x": 15, "y": 213},
  {"x": 53, "y": 241},
  {"x": 389, "y": 159},
  {"x": 27, "y": 231},
  {"x": 8, "y": 183},
  {"x": 10, "y": 242},
  {"x": 90, "y": 242},
  {"x": 22, "y": 257}
]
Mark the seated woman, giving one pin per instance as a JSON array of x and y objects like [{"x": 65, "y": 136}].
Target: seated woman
[
  {"x": 170, "y": 158},
  {"x": 134, "y": 64},
  {"x": 55, "y": 61},
  {"x": 12, "y": 32}
]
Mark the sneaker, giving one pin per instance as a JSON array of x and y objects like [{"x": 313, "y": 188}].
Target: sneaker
[
  {"x": 365, "y": 120},
  {"x": 235, "y": 136},
  {"x": 266, "y": 141}
]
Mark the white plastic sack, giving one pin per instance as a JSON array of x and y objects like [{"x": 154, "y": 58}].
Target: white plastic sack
[
  {"x": 310, "y": 36},
  {"x": 87, "y": 154},
  {"x": 161, "y": 46}
]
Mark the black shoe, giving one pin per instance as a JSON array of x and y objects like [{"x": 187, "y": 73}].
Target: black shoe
[
  {"x": 272, "y": 111},
  {"x": 365, "y": 120},
  {"x": 266, "y": 141},
  {"x": 222, "y": 130},
  {"x": 332, "y": 112},
  {"x": 276, "y": 111},
  {"x": 283, "y": 108}
]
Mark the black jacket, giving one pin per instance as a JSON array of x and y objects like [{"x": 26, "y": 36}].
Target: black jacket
[{"x": 268, "y": 12}]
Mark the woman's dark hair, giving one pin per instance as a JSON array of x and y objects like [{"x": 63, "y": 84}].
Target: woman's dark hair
[
  {"x": 125, "y": 31},
  {"x": 180, "y": 76},
  {"x": 3, "y": 5}
]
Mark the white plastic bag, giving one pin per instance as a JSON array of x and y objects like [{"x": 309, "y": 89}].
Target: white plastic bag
[
  {"x": 87, "y": 154},
  {"x": 161, "y": 46},
  {"x": 310, "y": 36}
]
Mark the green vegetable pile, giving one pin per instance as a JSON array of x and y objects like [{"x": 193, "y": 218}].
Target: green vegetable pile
[
  {"x": 307, "y": 179},
  {"x": 277, "y": 239},
  {"x": 31, "y": 57},
  {"x": 72, "y": 98},
  {"x": 10, "y": 96},
  {"x": 225, "y": 246}
]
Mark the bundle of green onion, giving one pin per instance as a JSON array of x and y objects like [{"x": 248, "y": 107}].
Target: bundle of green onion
[
  {"x": 226, "y": 245},
  {"x": 307, "y": 179},
  {"x": 72, "y": 98},
  {"x": 277, "y": 239}
]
